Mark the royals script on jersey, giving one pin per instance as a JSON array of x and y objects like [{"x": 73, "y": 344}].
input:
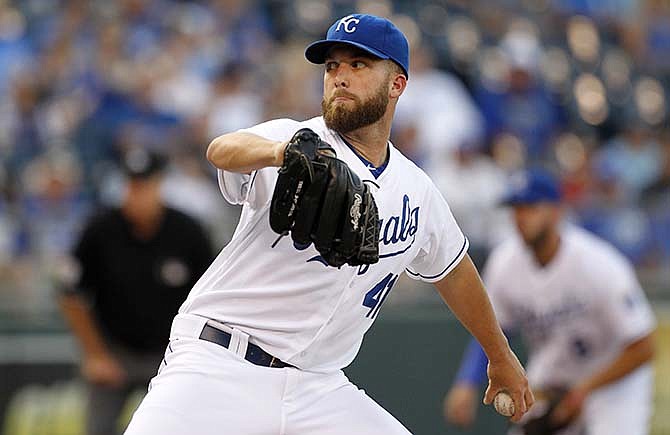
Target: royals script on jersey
[
  {"x": 292, "y": 304},
  {"x": 576, "y": 313}
]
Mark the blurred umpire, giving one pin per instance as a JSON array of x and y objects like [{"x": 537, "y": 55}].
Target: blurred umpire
[{"x": 134, "y": 267}]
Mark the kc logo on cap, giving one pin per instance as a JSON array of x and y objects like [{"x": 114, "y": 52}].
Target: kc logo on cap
[{"x": 348, "y": 23}]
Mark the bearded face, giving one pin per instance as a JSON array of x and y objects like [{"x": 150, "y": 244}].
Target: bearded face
[
  {"x": 339, "y": 117},
  {"x": 534, "y": 223}
]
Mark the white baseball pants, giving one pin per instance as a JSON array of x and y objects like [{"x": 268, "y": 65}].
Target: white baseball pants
[
  {"x": 624, "y": 407},
  {"x": 203, "y": 388}
]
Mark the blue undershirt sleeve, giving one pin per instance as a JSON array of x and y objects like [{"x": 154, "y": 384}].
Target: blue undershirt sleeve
[{"x": 473, "y": 365}]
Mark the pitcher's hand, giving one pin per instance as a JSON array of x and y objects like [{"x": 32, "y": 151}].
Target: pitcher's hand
[{"x": 507, "y": 373}]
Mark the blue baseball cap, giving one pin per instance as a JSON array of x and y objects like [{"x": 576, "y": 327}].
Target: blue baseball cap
[
  {"x": 377, "y": 36},
  {"x": 532, "y": 186}
]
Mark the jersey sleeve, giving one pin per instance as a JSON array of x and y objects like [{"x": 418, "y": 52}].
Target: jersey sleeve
[
  {"x": 624, "y": 303},
  {"x": 255, "y": 188},
  {"x": 444, "y": 245}
]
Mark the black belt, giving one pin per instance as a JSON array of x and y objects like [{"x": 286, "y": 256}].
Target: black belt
[{"x": 254, "y": 354}]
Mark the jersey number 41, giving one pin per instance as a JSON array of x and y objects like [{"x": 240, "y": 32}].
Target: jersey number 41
[{"x": 377, "y": 295}]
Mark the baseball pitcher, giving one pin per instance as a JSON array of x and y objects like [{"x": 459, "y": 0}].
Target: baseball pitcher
[{"x": 332, "y": 215}]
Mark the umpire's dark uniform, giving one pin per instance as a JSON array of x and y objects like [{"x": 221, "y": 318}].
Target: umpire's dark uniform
[{"x": 134, "y": 284}]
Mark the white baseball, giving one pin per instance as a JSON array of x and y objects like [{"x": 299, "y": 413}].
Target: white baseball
[{"x": 504, "y": 404}]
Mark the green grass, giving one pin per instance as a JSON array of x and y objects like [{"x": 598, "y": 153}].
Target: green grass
[{"x": 661, "y": 420}]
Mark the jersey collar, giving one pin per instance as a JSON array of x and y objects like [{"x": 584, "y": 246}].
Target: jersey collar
[{"x": 375, "y": 171}]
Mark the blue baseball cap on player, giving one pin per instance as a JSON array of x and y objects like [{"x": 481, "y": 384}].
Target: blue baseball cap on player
[
  {"x": 377, "y": 36},
  {"x": 532, "y": 186}
]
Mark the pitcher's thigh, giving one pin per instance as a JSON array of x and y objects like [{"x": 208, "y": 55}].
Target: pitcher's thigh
[
  {"x": 203, "y": 390},
  {"x": 344, "y": 411}
]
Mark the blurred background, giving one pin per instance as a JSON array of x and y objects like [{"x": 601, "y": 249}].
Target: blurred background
[{"x": 579, "y": 86}]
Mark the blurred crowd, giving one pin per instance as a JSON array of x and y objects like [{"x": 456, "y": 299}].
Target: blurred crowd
[{"x": 579, "y": 86}]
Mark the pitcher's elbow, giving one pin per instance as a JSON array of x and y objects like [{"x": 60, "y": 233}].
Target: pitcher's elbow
[{"x": 215, "y": 152}]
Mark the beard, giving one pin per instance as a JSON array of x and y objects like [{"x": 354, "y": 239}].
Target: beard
[
  {"x": 537, "y": 240},
  {"x": 343, "y": 120}
]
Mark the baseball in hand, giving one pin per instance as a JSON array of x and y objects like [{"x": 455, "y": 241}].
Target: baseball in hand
[{"x": 504, "y": 404}]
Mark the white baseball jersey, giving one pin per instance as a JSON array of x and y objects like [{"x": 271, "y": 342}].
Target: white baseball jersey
[
  {"x": 292, "y": 304},
  {"x": 575, "y": 314}
]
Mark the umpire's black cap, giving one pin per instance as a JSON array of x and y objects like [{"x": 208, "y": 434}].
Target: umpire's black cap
[{"x": 140, "y": 163}]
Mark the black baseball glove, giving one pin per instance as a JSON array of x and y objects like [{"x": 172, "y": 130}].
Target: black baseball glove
[
  {"x": 542, "y": 424},
  {"x": 319, "y": 200}
]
